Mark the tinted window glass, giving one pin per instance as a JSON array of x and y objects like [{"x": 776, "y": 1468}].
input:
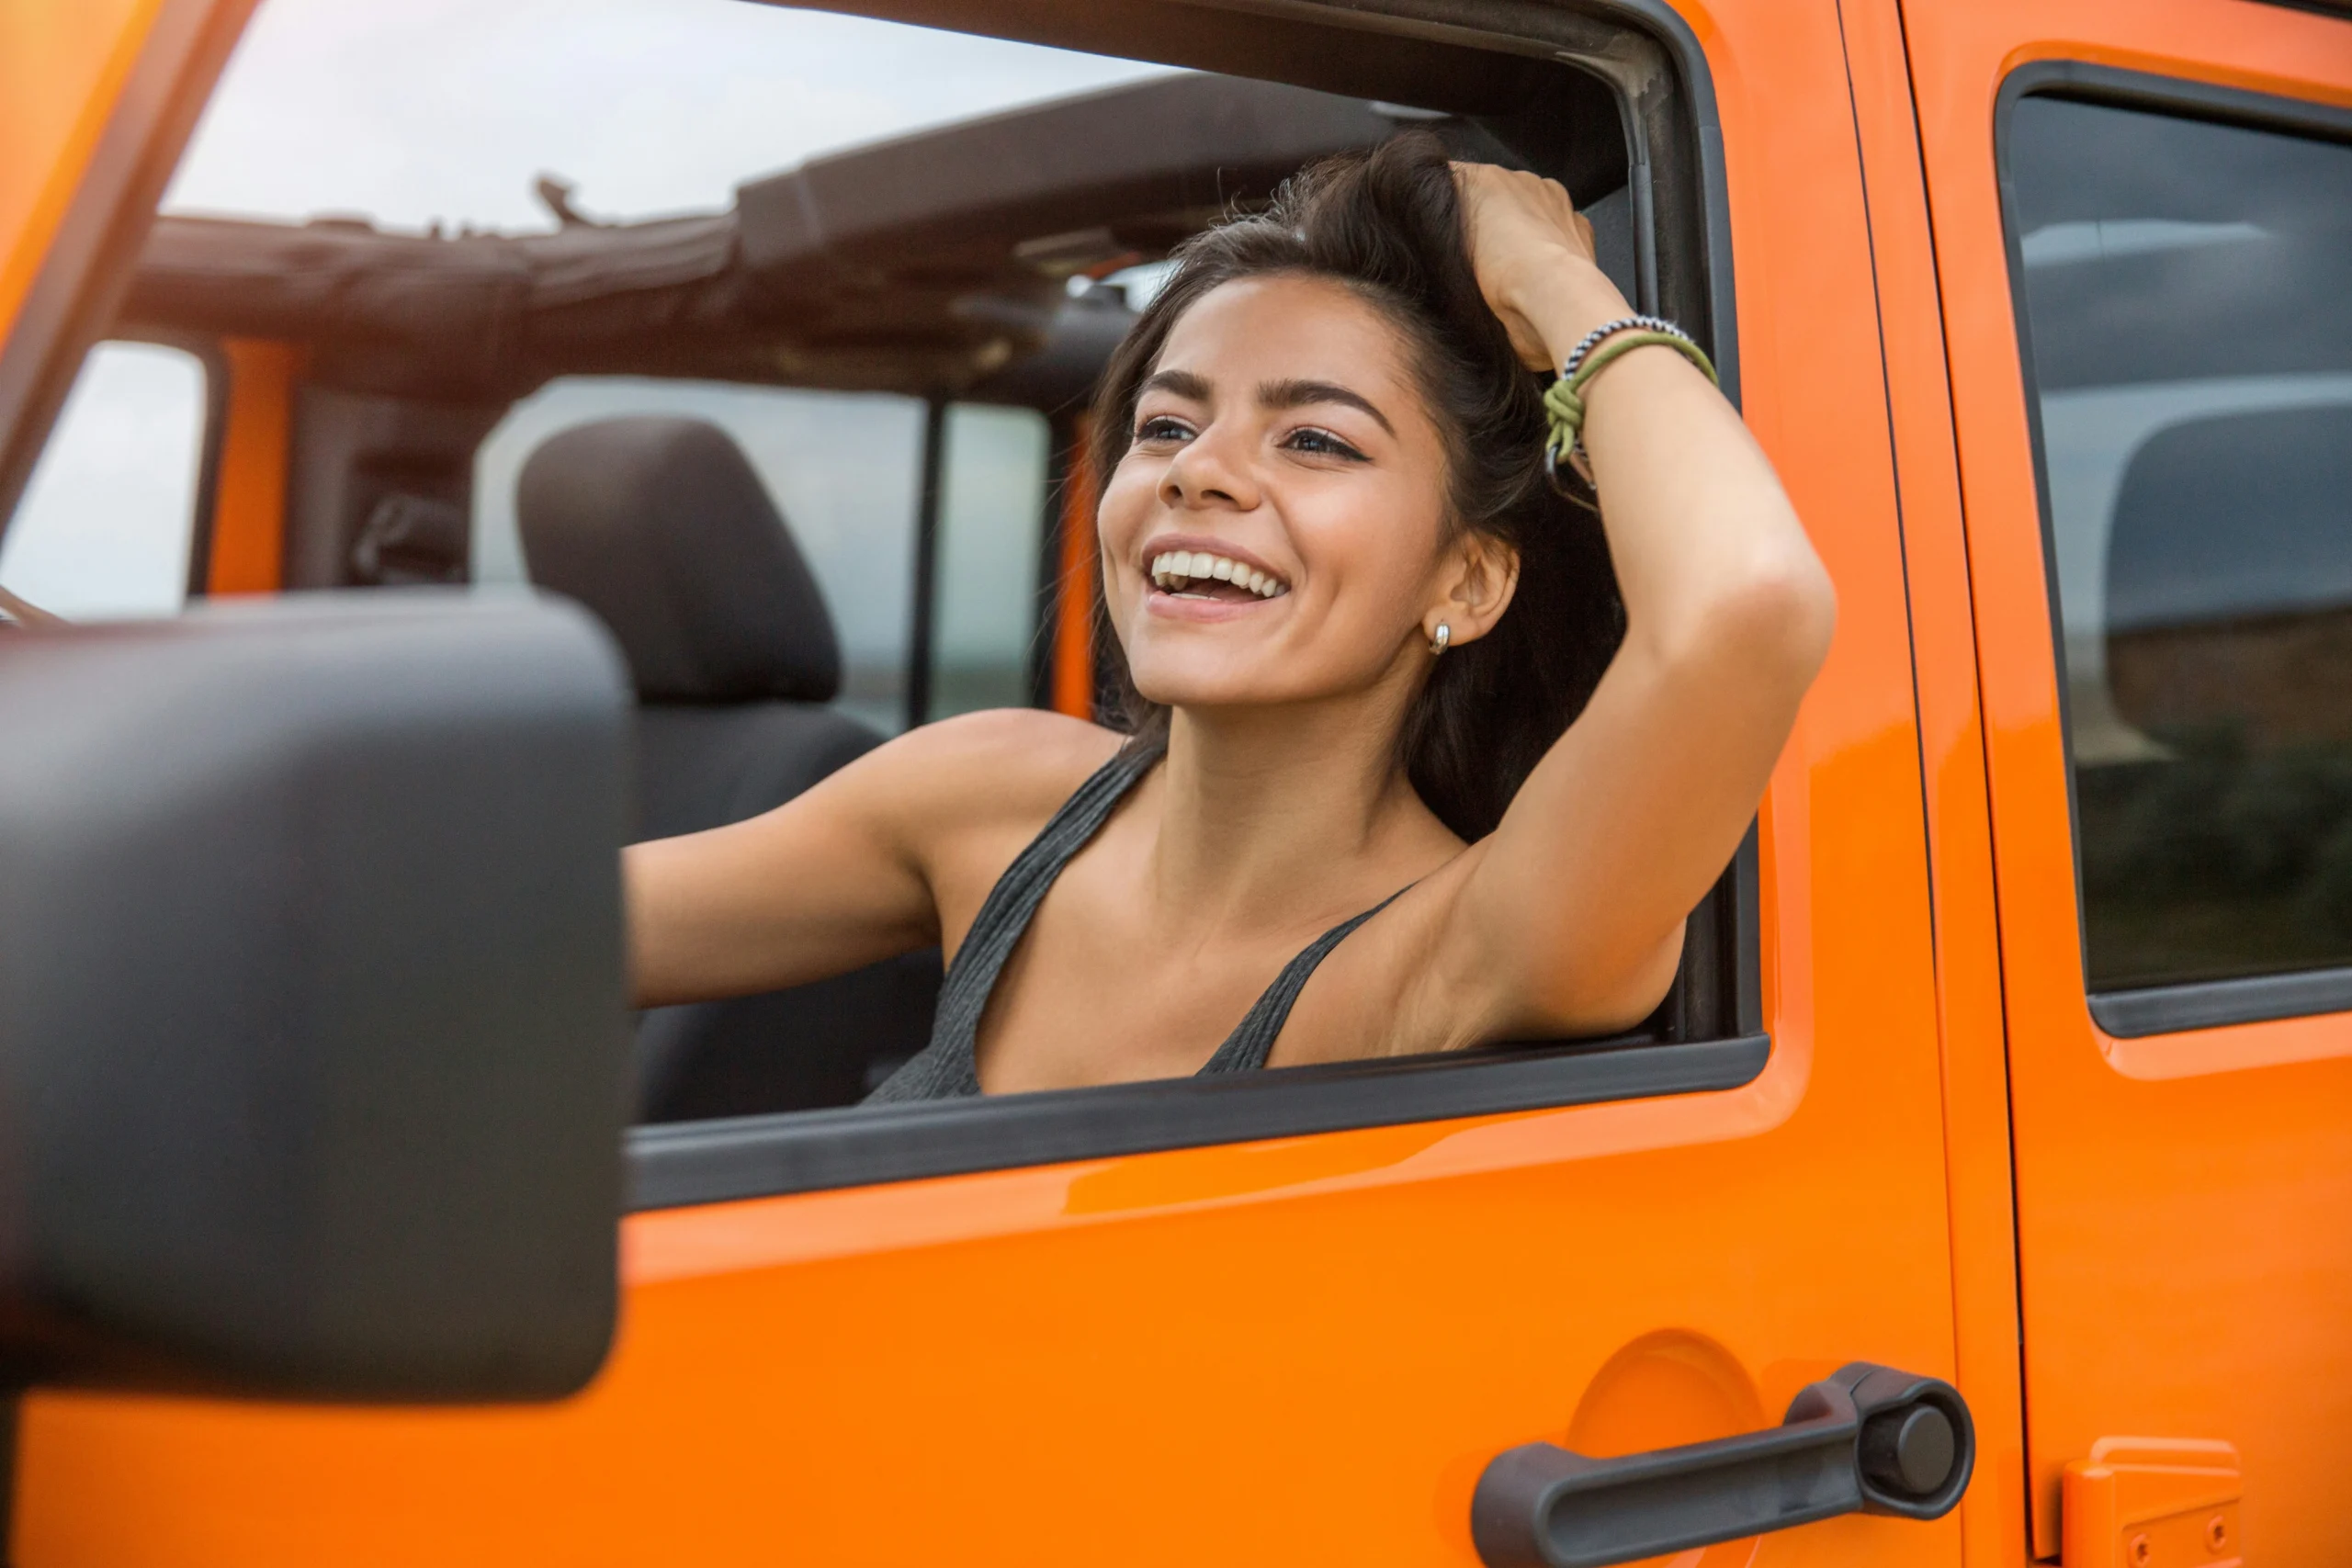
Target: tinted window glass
[
  {"x": 2188, "y": 290},
  {"x": 104, "y": 527}
]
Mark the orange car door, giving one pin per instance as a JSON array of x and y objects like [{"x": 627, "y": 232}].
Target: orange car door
[
  {"x": 2141, "y": 223},
  {"x": 1304, "y": 1334}
]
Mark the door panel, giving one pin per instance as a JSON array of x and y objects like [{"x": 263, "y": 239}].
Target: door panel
[
  {"x": 1952, "y": 746},
  {"x": 2185, "y": 1272},
  {"x": 1298, "y": 1350}
]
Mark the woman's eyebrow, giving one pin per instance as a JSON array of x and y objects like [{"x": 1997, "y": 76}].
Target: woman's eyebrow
[
  {"x": 1299, "y": 394},
  {"x": 1181, "y": 383}
]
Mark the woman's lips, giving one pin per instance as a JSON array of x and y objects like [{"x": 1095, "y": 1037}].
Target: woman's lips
[{"x": 1200, "y": 606}]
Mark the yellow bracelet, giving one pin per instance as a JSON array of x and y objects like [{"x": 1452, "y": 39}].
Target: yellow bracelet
[{"x": 1564, "y": 399}]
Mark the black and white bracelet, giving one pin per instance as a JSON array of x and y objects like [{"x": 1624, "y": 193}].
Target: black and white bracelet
[{"x": 1591, "y": 340}]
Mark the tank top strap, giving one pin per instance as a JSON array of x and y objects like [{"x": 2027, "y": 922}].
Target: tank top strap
[
  {"x": 949, "y": 1066},
  {"x": 1252, "y": 1039}
]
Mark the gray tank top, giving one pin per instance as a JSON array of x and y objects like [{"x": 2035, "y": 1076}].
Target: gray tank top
[{"x": 949, "y": 1066}]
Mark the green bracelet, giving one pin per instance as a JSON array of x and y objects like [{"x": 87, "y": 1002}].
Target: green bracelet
[{"x": 1564, "y": 399}]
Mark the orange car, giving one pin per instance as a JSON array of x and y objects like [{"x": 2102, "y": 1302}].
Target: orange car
[{"x": 1979, "y": 1195}]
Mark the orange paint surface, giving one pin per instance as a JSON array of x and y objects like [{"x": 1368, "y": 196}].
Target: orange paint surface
[
  {"x": 62, "y": 65},
  {"x": 2185, "y": 1267},
  {"x": 1073, "y": 683},
  {"x": 1303, "y": 1350},
  {"x": 1295, "y": 1352},
  {"x": 1968, "y": 977},
  {"x": 249, "y": 505}
]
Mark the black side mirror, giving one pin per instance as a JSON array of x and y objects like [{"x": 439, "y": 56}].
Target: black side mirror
[{"x": 312, "y": 1027}]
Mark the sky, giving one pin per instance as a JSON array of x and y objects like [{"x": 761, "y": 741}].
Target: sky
[
  {"x": 448, "y": 110},
  {"x": 411, "y": 112}
]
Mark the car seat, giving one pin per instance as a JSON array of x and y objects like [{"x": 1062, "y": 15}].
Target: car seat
[{"x": 660, "y": 526}]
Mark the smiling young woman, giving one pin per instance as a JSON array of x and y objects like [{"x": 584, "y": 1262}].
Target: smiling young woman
[{"x": 1418, "y": 754}]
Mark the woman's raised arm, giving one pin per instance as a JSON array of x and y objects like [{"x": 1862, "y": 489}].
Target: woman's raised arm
[{"x": 1568, "y": 918}]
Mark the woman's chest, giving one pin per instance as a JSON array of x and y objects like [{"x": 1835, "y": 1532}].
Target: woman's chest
[{"x": 1100, "y": 991}]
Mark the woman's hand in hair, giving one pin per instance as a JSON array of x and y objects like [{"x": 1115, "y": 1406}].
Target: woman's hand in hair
[{"x": 1533, "y": 255}]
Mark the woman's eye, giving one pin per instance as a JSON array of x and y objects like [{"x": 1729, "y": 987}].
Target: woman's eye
[
  {"x": 1162, "y": 427},
  {"x": 1320, "y": 444}
]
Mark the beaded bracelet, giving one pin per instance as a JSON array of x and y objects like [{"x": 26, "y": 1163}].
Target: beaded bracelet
[
  {"x": 1584, "y": 345},
  {"x": 1564, "y": 399}
]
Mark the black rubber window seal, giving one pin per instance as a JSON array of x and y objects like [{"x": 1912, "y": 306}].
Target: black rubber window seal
[
  {"x": 677, "y": 1164},
  {"x": 2214, "y": 1004}
]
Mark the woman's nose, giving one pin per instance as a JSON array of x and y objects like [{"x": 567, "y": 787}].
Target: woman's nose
[{"x": 1207, "y": 472}]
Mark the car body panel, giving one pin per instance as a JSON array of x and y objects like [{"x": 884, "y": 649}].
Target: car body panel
[
  {"x": 62, "y": 69},
  {"x": 2186, "y": 1270},
  {"x": 1305, "y": 1348},
  {"x": 1297, "y": 1350},
  {"x": 1943, "y": 630}
]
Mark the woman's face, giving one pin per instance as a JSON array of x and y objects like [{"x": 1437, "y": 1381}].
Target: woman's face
[{"x": 1273, "y": 534}]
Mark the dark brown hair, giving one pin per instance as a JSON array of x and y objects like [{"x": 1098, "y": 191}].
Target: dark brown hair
[{"x": 1389, "y": 224}]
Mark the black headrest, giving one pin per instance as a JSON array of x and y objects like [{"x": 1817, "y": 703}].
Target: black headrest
[{"x": 661, "y": 527}]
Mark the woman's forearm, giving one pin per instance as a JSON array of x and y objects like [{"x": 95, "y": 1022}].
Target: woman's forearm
[{"x": 1698, "y": 528}]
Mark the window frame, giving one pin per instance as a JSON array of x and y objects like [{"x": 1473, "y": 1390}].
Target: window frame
[
  {"x": 218, "y": 372},
  {"x": 923, "y": 618},
  {"x": 1681, "y": 230},
  {"x": 2138, "y": 1011},
  {"x": 214, "y": 363},
  {"x": 71, "y": 301}
]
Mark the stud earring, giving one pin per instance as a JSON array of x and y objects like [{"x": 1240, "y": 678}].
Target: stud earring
[{"x": 1439, "y": 638}]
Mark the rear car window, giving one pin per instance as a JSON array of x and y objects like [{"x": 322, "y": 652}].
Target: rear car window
[
  {"x": 845, "y": 471},
  {"x": 843, "y": 468},
  {"x": 995, "y": 485},
  {"x": 2186, "y": 303},
  {"x": 103, "y": 529}
]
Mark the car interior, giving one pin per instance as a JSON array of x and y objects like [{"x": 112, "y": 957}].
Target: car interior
[{"x": 989, "y": 265}]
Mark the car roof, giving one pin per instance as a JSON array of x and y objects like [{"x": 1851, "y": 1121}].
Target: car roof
[{"x": 938, "y": 263}]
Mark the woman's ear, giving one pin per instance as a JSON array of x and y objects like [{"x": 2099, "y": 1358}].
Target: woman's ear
[{"x": 1475, "y": 587}]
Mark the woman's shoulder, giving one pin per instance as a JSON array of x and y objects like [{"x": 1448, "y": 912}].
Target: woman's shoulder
[{"x": 998, "y": 770}]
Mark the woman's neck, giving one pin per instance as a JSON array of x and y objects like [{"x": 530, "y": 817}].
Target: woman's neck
[{"x": 1263, "y": 810}]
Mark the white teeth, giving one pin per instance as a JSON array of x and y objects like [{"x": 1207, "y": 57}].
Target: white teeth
[{"x": 1178, "y": 570}]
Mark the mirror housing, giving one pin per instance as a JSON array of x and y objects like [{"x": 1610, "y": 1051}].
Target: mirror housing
[{"x": 312, "y": 1010}]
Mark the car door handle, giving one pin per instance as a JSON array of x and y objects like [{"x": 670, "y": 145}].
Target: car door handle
[{"x": 1869, "y": 1439}]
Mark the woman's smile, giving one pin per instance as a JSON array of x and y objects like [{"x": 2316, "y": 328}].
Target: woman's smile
[{"x": 1195, "y": 579}]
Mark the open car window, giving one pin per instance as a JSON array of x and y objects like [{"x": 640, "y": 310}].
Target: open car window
[
  {"x": 847, "y": 283},
  {"x": 105, "y": 527}
]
